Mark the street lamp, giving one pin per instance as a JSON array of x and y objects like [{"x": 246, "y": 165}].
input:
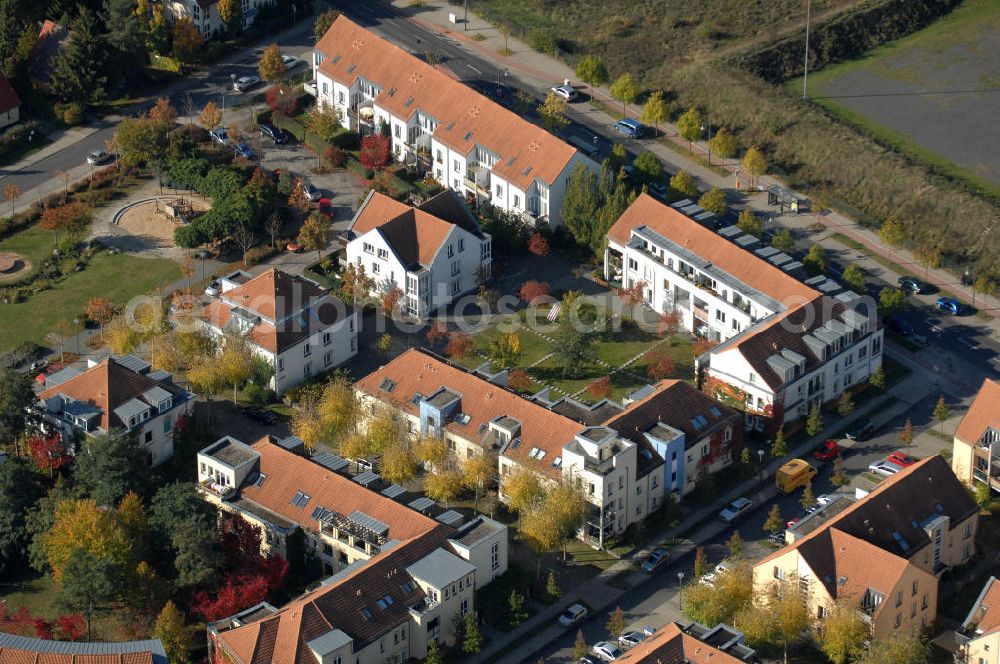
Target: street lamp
[
  {"x": 76, "y": 329},
  {"x": 680, "y": 590},
  {"x": 708, "y": 140},
  {"x": 505, "y": 74},
  {"x": 760, "y": 466}
]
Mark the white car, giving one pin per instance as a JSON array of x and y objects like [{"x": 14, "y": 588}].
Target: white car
[
  {"x": 884, "y": 468},
  {"x": 290, "y": 61},
  {"x": 825, "y": 499},
  {"x": 572, "y": 615},
  {"x": 213, "y": 289},
  {"x": 607, "y": 651},
  {"x": 631, "y": 639},
  {"x": 245, "y": 83},
  {"x": 98, "y": 157},
  {"x": 710, "y": 578},
  {"x": 735, "y": 509},
  {"x": 564, "y": 92}
]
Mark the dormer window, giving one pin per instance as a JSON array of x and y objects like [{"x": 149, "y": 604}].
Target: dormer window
[{"x": 165, "y": 405}]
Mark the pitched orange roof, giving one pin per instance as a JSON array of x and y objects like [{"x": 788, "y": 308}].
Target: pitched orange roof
[
  {"x": 413, "y": 234},
  {"x": 984, "y": 617},
  {"x": 466, "y": 118},
  {"x": 984, "y": 413},
  {"x": 670, "y": 645},
  {"x": 274, "y": 294},
  {"x": 8, "y": 97},
  {"x": 16, "y": 649},
  {"x": 703, "y": 242},
  {"x": 674, "y": 403},
  {"x": 217, "y": 314},
  {"x": 288, "y": 473},
  {"x": 417, "y": 371}
]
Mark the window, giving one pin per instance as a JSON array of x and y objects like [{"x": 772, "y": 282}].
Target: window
[
  {"x": 966, "y": 534},
  {"x": 368, "y": 248},
  {"x": 899, "y": 619},
  {"x": 376, "y": 268},
  {"x": 166, "y": 425},
  {"x": 456, "y": 267},
  {"x": 456, "y": 286},
  {"x": 383, "y": 254},
  {"x": 327, "y": 359},
  {"x": 914, "y": 591},
  {"x": 457, "y": 166},
  {"x": 465, "y": 607},
  {"x": 439, "y": 159},
  {"x": 165, "y": 405},
  {"x": 779, "y": 573},
  {"x": 821, "y": 612},
  {"x": 517, "y": 201},
  {"x": 633, "y": 264},
  {"x": 461, "y": 244},
  {"x": 326, "y": 338},
  {"x": 396, "y": 131},
  {"x": 720, "y": 315},
  {"x": 451, "y": 250},
  {"x": 899, "y": 601},
  {"x": 307, "y": 370},
  {"x": 148, "y": 437},
  {"x": 351, "y": 326},
  {"x": 354, "y": 344},
  {"x": 281, "y": 364},
  {"x": 306, "y": 350}
]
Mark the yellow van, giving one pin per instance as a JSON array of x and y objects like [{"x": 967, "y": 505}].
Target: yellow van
[{"x": 794, "y": 474}]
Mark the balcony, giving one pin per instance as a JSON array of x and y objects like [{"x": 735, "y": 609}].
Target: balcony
[
  {"x": 423, "y": 606},
  {"x": 216, "y": 489}
]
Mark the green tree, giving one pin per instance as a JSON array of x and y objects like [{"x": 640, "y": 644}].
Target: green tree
[
  {"x": 900, "y": 646},
  {"x": 983, "y": 495},
  {"x": 654, "y": 111},
  {"x": 906, "y": 434},
  {"x": 845, "y": 404},
  {"x": 746, "y": 469},
  {"x": 20, "y": 488},
  {"x": 126, "y": 35},
  {"x": 815, "y": 260},
  {"x": 87, "y": 582},
  {"x": 173, "y": 633},
  {"x": 517, "y": 610},
  {"x": 892, "y": 233},
  {"x": 552, "y": 588},
  {"x": 141, "y": 140},
  {"x": 779, "y": 447},
  {"x": 714, "y": 200},
  {"x": 553, "y": 113},
  {"x": 775, "y": 521},
  {"x": 625, "y": 89},
  {"x": 111, "y": 465},
  {"x": 877, "y": 379},
  {"x": 689, "y": 125},
  {"x": 808, "y": 499},
  {"x": 814, "y": 423},
  {"x": 15, "y": 397},
  {"x": 591, "y": 71},
  {"x": 891, "y": 300},
  {"x": 79, "y": 72},
  {"x": 197, "y": 557},
  {"x": 724, "y": 143},
  {"x": 941, "y": 412},
  {"x": 648, "y": 169},
  {"x": 581, "y": 204},
  {"x": 314, "y": 234},
  {"x": 789, "y": 615},
  {"x": 434, "y": 654},
  {"x": 754, "y": 162},
  {"x": 784, "y": 241},
  {"x": 271, "y": 67},
  {"x": 843, "y": 634},
  {"x": 383, "y": 344},
  {"x": 575, "y": 337},
  {"x": 700, "y": 564},
  {"x": 616, "y": 623},
  {"x": 728, "y": 594},
  {"x": 839, "y": 477},
  {"x": 231, "y": 14},
  {"x": 750, "y": 223},
  {"x": 580, "y": 647},
  {"x": 323, "y": 22},
  {"x": 682, "y": 185},
  {"x": 854, "y": 278},
  {"x": 735, "y": 545},
  {"x": 474, "y": 640}
]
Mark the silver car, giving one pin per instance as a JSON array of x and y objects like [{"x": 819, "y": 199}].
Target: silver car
[{"x": 245, "y": 82}]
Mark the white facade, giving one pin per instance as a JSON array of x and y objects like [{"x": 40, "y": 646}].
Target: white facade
[
  {"x": 10, "y": 117},
  {"x": 206, "y": 15}
]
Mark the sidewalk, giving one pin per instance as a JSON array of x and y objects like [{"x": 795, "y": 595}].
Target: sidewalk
[
  {"x": 698, "y": 527},
  {"x": 542, "y": 71}
]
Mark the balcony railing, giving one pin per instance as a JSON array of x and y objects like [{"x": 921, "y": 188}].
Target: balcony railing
[
  {"x": 423, "y": 606},
  {"x": 220, "y": 490}
]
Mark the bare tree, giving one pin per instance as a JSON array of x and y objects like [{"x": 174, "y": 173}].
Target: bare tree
[
  {"x": 11, "y": 193},
  {"x": 65, "y": 178},
  {"x": 244, "y": 238},
  {"x": 189, "y": 108},
  {"x": 273, "y": 226}
]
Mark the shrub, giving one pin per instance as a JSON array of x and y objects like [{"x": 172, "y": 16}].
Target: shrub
[
  {"x": 334, "y": 157},
  {"x": 544, "y": 41}
]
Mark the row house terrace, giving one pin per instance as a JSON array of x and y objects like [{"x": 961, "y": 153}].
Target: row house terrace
[
  {"x": 976, "y": 448},
  {"x": 456, "y": 135}
]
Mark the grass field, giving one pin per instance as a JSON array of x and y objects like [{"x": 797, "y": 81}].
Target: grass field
[
  {"x": 932, "y": 95},
  {"x": 118, "y": 278},
  {"x": 34, "y": 243}
]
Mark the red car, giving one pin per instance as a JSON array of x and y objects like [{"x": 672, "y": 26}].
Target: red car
[
  {"x": 901, "y": 459},
  {"x": 829, "y": 450}
]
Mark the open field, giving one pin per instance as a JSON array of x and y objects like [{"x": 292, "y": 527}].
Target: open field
[
  {"x": 117, "y": 277},
  {"x": 933, "y": 94}
]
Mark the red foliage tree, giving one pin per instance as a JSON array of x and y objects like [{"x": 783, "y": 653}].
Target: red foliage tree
[
  {"x": 538, "y": 245},
  {"x": 20, "y": 622},
  {"x": 334, "y": 157},
  {"x": 634, "y": 294},
  {"x": 532, "y": 291},
  {"x": 519, "y": 380},
  {"x": 64, "y": 218},
  {"x": 237, "y": 592},
  {"x": 702, "y": 346},
  {"x": 70, "y": 627},
  {"x": 600, "y": 388},
  {"x": 670, "y": 323},
  {"x": 658, "y": 364},
  {"x": 282, "y": 100},
  {"x": 459, "y": 345},
  {"x": 391, "y": 299},
  {"x": 48, "y": 452},
  {"x": 437, "y": 333},
  {"x": 374, "y": 153}
]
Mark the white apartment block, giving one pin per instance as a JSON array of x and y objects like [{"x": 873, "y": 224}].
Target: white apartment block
[
  {"x": 205, "y": 13},
  {"x": 300, "y": 330},
  {"x": 467, "y": 142},
  {"x": 432, "y": 253}
]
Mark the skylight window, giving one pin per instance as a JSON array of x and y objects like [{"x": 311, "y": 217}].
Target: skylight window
[
  {"x": 388, "y": 385},
  {"x": 365, "y": 613},
  {"x": 318, "y": 512},
  {"x": 260, "y": 479},
  {"x": 407, "y": 587},
  {"x": 468, "y": 135},
  {"x": 463, "y": 418},
  {"x": 417, "y": 396},
  {"x": 557, "y": 462},
  {"x": 715, "y": 411},
  {"x": 385, "y": 602},
  {"x": 299, "y": 499},
  {"x": 409, "y": 101},
  {"x": 533, "y": 453}
]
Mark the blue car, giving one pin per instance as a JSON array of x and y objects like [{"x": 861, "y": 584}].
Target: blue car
[
  {"x": 246, "y": 151},
  {"x": 631, "y": 128},
  {"x": 899, "y": 325},
  {"x": 949, "y": 305}
]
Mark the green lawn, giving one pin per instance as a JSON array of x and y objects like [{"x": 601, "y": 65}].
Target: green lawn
[
  {"x": 41, "y": 597},
  {"x": 33, "y": 243},
  {"x": 118, "y": 278}
]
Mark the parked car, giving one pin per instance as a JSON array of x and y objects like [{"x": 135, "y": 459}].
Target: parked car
[
  {"x": 290, "y": 61},
  {"x": 573, "y": 614},
  {"x": 859, "y": 430},
  {"x": 311, "y": 192},
  {"x": 294, "y": 248},
  {"x": 631, "y": 639},
  {"x": 630, "y": 128},
  {"x": 949, "y": 305},
  {"x": 212, "y": 290},
  {"x": 913, "y": 285},
  {"x": 564, "y": 92},
  {"x": 277, "y": 135},
  {"x": 656, "y": 558},
  {"x": 587, "y": 660},
  {"x": 98, "y": 157},
  {"x": 244, "y": 83},
  {"x": 260, "y": 415},
  {"x": 649, "y": 630},
  {"x": 735, "y": 509},
  {"x": 219, "y": 135},
  {"x": 825, "y": 499},
  {"x": 709, "y": 579},
  {"x": 608, "y": 652},
  {"x": 246, "y": 152},
  {"x": 901, "y": 459},
  {"x": 899, "y": 325},
  {"x": 828, "y": 451},
  {"x": 884, "y": 468},
  {"x": 659, "y": 189}
]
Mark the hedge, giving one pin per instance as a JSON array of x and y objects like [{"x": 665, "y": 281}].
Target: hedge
[{"x": 291, "y": 125}]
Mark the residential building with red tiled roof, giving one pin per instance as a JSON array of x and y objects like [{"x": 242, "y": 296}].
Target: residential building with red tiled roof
[
  {"x": 396, "y": 578},
  {"x": 52, "y": 39},
  {"x": 463, "y": 139},
  {"x": 784, "y": 344},
  {"x": 291, "y": 322},
  {"x": 117, "y": 394},
  {"x": 25, "y": 650},
  {"x": 10, "y": 103},
  {"x": 978, "y": 638},
  {"x": 976, "y": 448},
  {"x": 431, "y": 253},
  {"x": 691, "y": 644},
  {"x": 884, "y": 553}
]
